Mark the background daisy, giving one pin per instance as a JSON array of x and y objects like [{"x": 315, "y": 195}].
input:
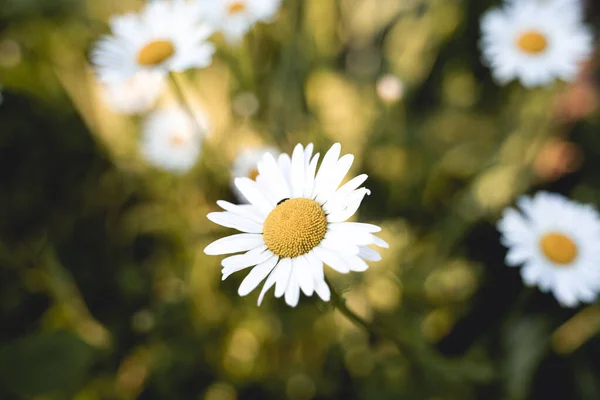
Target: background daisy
[
  {"x": 246, "y": 165},
  {"x": 295, "y": 224},
  {"x": 556, "y": 242},
  {"x": 234, "y": 18},
  {"x": 172, "y": 140},
  {"x": 165, "y": 36},
  {"x": 136, "y": 94},
  {"x": 534, "y": 42}
]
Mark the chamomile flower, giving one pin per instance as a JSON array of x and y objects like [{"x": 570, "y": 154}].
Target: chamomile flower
[
  {"x": 567, "y": 8},
  {"x": 172, "y": 140},
  {"x": 294, "y": 224},
  {"x": 234, "y": 18},
  {"x": 136, "y": 94},
  {"x": 245, "y": 165},
  {"x": 165, "y": 36},
  {"x": 556, "y": 242},
  {"x": 531, "y": 40}
]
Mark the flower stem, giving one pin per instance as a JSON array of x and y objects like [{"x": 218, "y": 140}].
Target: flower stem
[
  {"x": 373, "y": 329},
  {"x": 183, "y": 101}
]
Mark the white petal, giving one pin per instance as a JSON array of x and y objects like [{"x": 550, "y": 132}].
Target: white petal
[
  {"x": 350, "y": 237},
  {"x": 234, "y": 244},
  {"x": 322, "y": 290},
  {"x": 303, "y": 274},
  {"x": 326, "y": 168},
  {"x": 354, "y": 227},
  {"x": 333, "y": 180},
  {"x": 285, "y": 165},
  {"x": 251, "y": 191},
  {"x": 310, "y": 176},
  {"x": 368, "y": 253},
  {"x": 338, "y": 244},
  {"x": 332, "y": 259},
  {"x": 352, "y": 204},
  {"x": 268, "y": 284},
  {"x": 269, "y": 169},
  {"x": 298, "y": 174},
  {"x": 239, "y": 262},
  {"x": 231, "y": 220},
  {"x": 256, "y": 276},
  {"x": 292, "y": 293},
  {"x": 355, "y": 263},
  {"x": 244, "y": 210},
  {"x": 380, "y": 242},
  {"x": 283, "y": 272},
  {"x": 316, "y": 266}
]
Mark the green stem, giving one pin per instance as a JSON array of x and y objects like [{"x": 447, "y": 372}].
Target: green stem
[
  {"x": 183, "y": 101},
  {"x": 373, "y": 329}
]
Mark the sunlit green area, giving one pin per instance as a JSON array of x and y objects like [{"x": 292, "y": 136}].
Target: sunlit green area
[{"x": 106, "y": 293}]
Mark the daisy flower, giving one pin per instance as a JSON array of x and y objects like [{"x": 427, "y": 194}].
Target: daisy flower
[
  {"x": 136, "y": 94},
  {"x": 295, "y": 223},
  {"x": 534, "y": 42},
  {"x": 172, "y": 140},
  {"x": 165, "y": 36},
  {"x": 245, "y": 165},
  {"x": 556, "y": 242},
  {"x": 234, "y": 18}
]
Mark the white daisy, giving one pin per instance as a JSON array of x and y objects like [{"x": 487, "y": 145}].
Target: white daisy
[
  {"x": 568, "y": 8},
  {"x": 295, "y": 223},
  {"x": 234, "y": 18},
  {"x": 556, "y": 241},
  {"x": 245, "y": 165},
  {"x": 135, "y": 95},
  {"x": 165, "y": 36},
  {"x": 172, "y": 140},
  {"x": 533, "y": 42}
]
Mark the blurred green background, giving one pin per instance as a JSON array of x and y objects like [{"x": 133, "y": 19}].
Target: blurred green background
[{"x": 105, "y": 292}]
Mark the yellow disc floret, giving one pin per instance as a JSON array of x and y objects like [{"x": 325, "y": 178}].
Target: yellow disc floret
[
  {"x": 236, "y": 7},
  {"x": 558, "y": 248},
  {"x": 155, "y": 53},
  {"x": 532, "y": 42},
  {"x": 294, "y": 227}
]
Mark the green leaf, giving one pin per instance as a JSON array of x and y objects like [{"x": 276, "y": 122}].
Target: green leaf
[{"x": 44, "y": 363}]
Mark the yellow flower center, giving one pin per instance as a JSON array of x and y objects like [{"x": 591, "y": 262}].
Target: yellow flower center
[
  {"x": 155, "y": 52},
  {"x": 253, "y": 173},
  {"x": 177, "y": 140},
  {"x": 558, "y": 248},
  {"x": 532, "y": 42},
  {"x": 237, "y": 7},
  {"x": 294, "y": 227}
]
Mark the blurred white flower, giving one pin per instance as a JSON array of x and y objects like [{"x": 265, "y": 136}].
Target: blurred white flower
[
  {"x": 390, "y": 88},
  {"x": 172, "y": 140},
  {"x": 556, "y": 242},
  {"x": 136, "y": 94},
  {"x": 246, "y": 165},
  {"x": 234, "y": 18},
  {"x": 295, "y": 223},
  {"x": 567, "y": 8},
  {"x": 165, "y": 36},
  {"x": 531, "y": 40}
]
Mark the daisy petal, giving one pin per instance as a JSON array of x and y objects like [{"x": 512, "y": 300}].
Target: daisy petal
[
  {"x": 231, "y": 220},
  {"x": 234, "y": 244},
  {"x": 256, "y": 276},
  {"x": 283, "y": 272},
  {"x": 253, "y": 194}
]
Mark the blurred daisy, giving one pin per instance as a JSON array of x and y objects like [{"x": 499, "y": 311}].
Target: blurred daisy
[
  {"x": 136, "y": 94},
  {"x": 245, "y": 165},
  {"x": 295, "y": 223},
  {"x": 165, "y": 36},
  {"x": 568, "y": 8},
  {"x": 172, "y": 140},
  {"x": 234, "y": 18},
  {"x": 533, "y": 42},
  {"x": 556, "y": 241}
]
